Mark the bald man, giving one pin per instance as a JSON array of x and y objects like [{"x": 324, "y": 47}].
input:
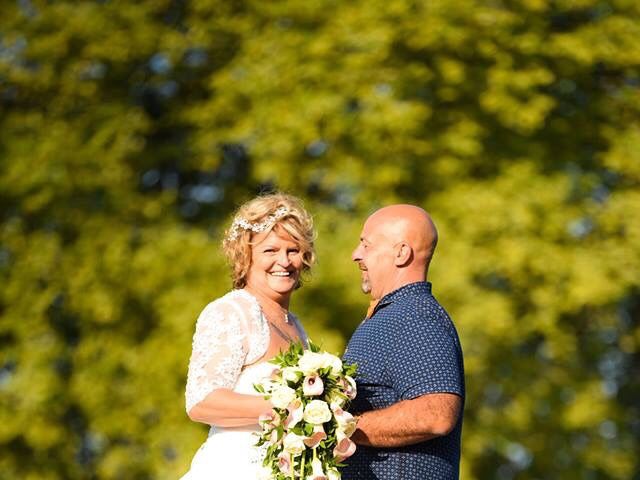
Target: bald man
[{"x": 410, "y": 370}]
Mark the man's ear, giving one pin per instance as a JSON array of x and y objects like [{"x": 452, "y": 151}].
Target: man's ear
[{"x": 403, "y": 254}]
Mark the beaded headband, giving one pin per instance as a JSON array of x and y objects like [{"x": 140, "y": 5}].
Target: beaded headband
[{"x": 241, "y": 224}]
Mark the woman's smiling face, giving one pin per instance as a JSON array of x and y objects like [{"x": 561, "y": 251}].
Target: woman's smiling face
[{"x": 276, "y": 263}]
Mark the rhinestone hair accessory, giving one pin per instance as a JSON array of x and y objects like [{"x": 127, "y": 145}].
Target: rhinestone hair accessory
[{"x": 240, "y": 223}]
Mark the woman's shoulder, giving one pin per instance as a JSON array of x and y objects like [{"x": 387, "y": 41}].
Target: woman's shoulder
[
  {"x": 231, "y": 298},
  {"x": 233, "y": 302}
]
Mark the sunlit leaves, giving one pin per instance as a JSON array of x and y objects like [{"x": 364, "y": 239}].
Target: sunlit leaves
[{"x": 130, "y": 131}]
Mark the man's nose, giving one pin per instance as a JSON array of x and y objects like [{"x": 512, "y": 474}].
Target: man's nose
[{"x": 356, "y": 255}]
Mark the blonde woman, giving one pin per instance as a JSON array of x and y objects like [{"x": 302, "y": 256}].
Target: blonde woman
[{"x": 269, "y": 245}]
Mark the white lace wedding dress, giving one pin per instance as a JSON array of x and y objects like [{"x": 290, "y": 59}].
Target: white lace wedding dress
[{"x": 231, "y": 335}]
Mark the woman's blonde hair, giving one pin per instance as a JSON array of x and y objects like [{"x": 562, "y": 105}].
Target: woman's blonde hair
[{"x": 263, "y": 214}]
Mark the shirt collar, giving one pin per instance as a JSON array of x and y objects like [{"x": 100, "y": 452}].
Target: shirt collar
[{"x": 409, "y": 290}]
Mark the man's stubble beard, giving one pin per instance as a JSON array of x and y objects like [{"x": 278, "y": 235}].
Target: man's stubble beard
[{"x": 365, "y": 286}]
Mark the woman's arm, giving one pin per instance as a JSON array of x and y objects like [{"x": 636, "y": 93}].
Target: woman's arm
[
  {"x": 218, "y": 353},
  {"x": 226, "y": 408}
]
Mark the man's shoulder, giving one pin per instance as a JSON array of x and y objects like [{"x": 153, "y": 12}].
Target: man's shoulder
[
  {"x": 416, "y": 306},
  {"x": 415, "y": 315}
]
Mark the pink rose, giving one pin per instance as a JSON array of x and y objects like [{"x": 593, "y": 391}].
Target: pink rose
[
  {"x": 349, "y": 387},
  {"x": 344, "y": 449},
  {"x": 284, "y": 463},
  {"x": 312, "y": 385},
  {"x": 296, "y": 411},
  {"x": 316, "y": 437}
]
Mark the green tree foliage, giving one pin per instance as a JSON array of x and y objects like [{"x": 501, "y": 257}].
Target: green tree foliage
[{"x": 130, "y": 130}]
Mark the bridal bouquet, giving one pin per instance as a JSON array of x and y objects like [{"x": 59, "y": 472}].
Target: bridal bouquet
[{"x": 306, "y": 435}]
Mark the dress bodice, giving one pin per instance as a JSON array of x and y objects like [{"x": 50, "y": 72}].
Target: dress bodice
[{"x": 231, "y": 335}]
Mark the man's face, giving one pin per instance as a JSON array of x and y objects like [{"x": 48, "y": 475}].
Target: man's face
[{"x": 374, "y": 256}]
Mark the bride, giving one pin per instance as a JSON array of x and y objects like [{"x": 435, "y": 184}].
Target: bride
[{"x": 269, "y": 244}]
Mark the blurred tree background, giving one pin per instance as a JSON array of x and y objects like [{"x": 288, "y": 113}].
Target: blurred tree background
[{"x": 129, "y": 132}]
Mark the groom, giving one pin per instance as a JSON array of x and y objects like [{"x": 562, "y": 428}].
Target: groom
[{"x": 410, "y": 372}]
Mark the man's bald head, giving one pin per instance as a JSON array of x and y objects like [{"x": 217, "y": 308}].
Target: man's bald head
[
  {"x": 410, "y": 224},
  {"x": 396, "y": 246}
]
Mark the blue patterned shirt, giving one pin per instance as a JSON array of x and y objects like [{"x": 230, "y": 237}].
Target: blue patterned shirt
[{"x": 409, "y": 347}]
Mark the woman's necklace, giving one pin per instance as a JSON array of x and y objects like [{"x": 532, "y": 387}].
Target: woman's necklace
[
  {"x": 282, "y": 313},
  {"x": 284, "y": 335},
  {"x": 275, "y": 311}
]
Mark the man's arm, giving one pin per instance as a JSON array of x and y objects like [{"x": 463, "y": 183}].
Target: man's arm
[{"x": 409, "y": 421}]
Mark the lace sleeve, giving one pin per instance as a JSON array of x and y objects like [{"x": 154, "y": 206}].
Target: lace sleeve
[{"x": 219, "y": 351}]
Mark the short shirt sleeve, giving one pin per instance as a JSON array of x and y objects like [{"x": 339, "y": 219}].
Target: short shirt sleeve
[{"x": 425, "y": 354}]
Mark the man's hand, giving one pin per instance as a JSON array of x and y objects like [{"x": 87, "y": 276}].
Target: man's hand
[{"x": 409, "y": 421}]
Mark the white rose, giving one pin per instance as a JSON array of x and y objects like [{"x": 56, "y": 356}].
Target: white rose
[
  {"x": 334, "y": 362},
  {"x": 333, "y": 474},
  {"x": 317, "y": 412},
  {"x": 293, "y": 444},
  {"x": 291, "y": 374},
  {"x": 316, "y": 470},
  {"x": 310, "y": 362},
  {"x": 282, "y": 396}
]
